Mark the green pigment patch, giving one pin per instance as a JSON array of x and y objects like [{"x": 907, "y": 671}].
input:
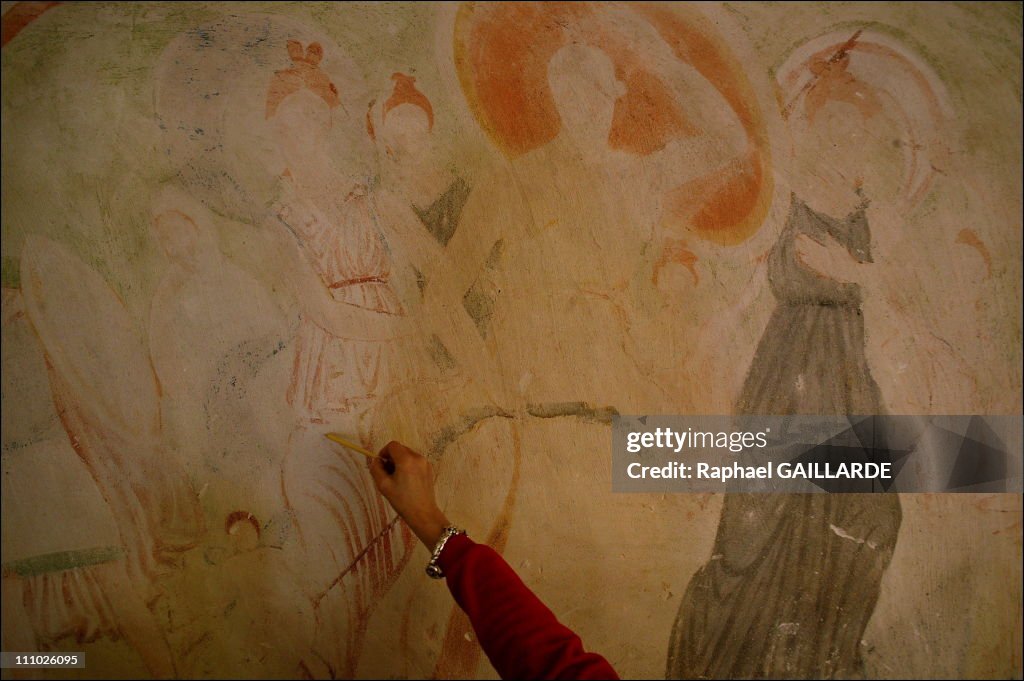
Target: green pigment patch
[{"x": 62, "y": 560}]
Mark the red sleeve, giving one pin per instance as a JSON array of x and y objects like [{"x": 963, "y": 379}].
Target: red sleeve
[{"x": 520, "y": 636}]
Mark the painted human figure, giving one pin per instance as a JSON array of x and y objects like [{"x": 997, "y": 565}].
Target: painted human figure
[
  {"x": 423, "y": 199},
  {"x": 334, "y": 223},
  {"x": 112, "y": 420},
  {"x": 794, "y": 579},
  {"x": 572, "y": 218},
  {"x": 403, "y": 124},
  {"x": 427, "y": 198},
  {"x": 591, "y": 210},
  {"x": 205, "y": 309},
  {"x": 351, "y": 547}
]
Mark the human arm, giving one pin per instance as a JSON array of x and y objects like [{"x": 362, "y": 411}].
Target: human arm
[{"x": 522, "y": 638}]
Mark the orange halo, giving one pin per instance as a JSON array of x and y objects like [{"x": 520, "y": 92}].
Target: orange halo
[
  {"x": 502, "y": 52},
  {"x": 20, "y": 15},
  {"x": 802, "y": 70}
]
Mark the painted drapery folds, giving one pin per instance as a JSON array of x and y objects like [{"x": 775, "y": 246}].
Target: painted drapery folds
[{"x": 484, "y": 229}]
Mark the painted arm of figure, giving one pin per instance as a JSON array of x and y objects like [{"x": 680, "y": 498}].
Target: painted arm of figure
[
  {"x": 489, "y": 210},
  {"x": 316, "y": 302},
  {"x": 832, "y": 260},
  {"x": 412, "y": 248},
  {"x": 439, "y": 312}
]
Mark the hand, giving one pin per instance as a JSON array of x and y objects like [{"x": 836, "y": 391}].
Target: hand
[
  {"x": 406, "y": 480},
  {"x": 830, "y": 260}
]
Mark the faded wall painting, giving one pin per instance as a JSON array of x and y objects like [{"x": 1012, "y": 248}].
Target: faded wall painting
[{"x": 484, "y": 229}]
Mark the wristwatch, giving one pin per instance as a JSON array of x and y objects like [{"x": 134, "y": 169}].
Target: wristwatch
[{"x": 434, "y": 570}]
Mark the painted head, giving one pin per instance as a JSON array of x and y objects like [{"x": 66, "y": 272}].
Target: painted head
[
  {"x": 865, "y": 116},
  {"x": 849, "y": 140},
  {"x": 405, "y": 124},
  {"x": 300, "y": 103},
  {"x": 585, "y": 89}
]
